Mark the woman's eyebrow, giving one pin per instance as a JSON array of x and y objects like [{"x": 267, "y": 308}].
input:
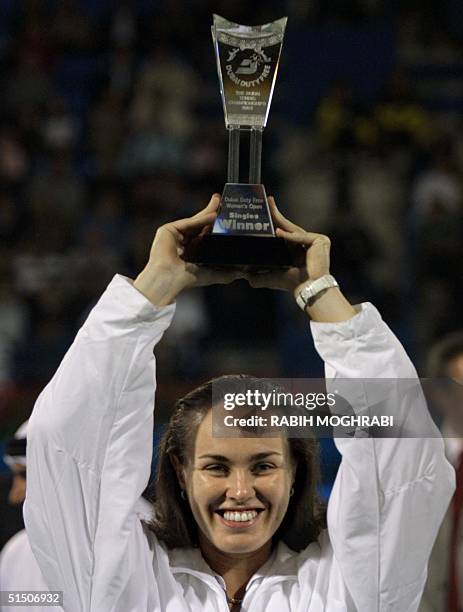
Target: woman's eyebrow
[{"x": 255, "y": 457}]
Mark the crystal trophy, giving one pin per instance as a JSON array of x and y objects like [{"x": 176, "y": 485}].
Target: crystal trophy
[{"x": 243, "y": 235}]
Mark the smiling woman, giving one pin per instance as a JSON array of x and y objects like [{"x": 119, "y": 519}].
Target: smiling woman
[
  {"x": 276, "y": 478},
  {"x": 237, "y": 524}
]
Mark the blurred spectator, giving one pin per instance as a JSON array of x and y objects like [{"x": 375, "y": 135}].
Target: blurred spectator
[
  {"x": 123, "y": 26},
  {"x": 378, "y": 194},
  {"x": 14, "y": 163},
  {"x": 165, "y": 92},
  {"x": 335, "y": 118},
  {"x": 437, "y": 222},
  {"x": 438, "y": 188},
  {"x": 309, "y": 195},
  {"x": 444, "y": 588},
  {"x": 59, "y": 128},
  {"x": 152, "y": 146},
  {"x": 19, "y": 570},
  {"x": 35, "y": 267},
  {"x": 402, "y": 120}
]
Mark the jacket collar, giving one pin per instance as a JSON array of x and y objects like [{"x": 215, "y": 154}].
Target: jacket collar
[{"x": 281, "y": 566}]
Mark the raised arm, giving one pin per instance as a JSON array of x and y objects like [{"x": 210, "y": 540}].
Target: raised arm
[
  {"x": 89, "y": 446},
  {"x": 390, "y": 494},
  {"x": 90, "y": 434}
]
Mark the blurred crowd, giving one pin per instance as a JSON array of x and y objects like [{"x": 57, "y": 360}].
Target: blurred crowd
[{"x": 111, "y": 124}]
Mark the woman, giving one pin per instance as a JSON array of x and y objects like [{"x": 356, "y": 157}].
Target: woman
[{"x": 89, "y": 454}]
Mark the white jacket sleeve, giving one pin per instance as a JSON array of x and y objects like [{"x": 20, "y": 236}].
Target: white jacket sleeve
[
  {"x": 390, "y": 494},
  {"x": 90, "y": 446}
]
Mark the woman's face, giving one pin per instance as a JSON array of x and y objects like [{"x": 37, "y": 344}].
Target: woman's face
[{"x": 238, "y": 488}]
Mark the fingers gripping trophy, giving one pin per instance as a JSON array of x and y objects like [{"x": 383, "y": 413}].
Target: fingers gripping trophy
[{"x": 243, "y": 235}]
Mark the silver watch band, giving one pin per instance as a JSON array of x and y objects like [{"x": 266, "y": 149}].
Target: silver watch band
[{"x": 313, "y": 288}]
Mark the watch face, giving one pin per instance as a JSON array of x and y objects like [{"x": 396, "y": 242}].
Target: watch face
[
  {"x": 303, "y": 297},
  {"x": 307, "y": 294}
]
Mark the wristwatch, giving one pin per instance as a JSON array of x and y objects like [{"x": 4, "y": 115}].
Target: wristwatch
[{"x": 311, "y": 289}]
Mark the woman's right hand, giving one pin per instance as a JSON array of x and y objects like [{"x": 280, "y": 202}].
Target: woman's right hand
[{"x": 166, "y": 274}]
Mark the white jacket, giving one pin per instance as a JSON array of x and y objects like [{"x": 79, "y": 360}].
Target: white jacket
[{"x": 89, "y": 454}]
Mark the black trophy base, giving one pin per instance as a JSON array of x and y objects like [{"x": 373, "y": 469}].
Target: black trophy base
[{"x": 242, "y": 252}]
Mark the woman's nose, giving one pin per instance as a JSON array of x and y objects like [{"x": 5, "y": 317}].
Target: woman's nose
[{"x": 240, "y": 485}]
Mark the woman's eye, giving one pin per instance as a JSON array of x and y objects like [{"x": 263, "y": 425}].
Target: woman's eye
[
  {"x": 216, "y": 467},
  {"x": 263, "y": 467}
]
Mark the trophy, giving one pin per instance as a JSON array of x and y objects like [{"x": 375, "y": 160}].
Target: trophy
[{"x": 243, "y": 235}]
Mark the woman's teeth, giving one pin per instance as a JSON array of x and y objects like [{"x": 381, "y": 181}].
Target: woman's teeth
[{"x": 240, "y": 516}]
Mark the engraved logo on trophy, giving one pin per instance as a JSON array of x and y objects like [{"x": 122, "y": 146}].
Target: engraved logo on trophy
[
  {"x": 248, "y": 67},
  {"x": 243, "y": 235}
]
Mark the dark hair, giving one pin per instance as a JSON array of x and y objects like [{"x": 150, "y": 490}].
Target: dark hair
[
  {"x": 446, "y": 349},
  {"x": 173, "y": 522}
]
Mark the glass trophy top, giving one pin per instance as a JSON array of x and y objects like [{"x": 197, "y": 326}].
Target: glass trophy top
[
  {"x": 272, "y": 32},
  {"x": 247, "y": 63}
]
